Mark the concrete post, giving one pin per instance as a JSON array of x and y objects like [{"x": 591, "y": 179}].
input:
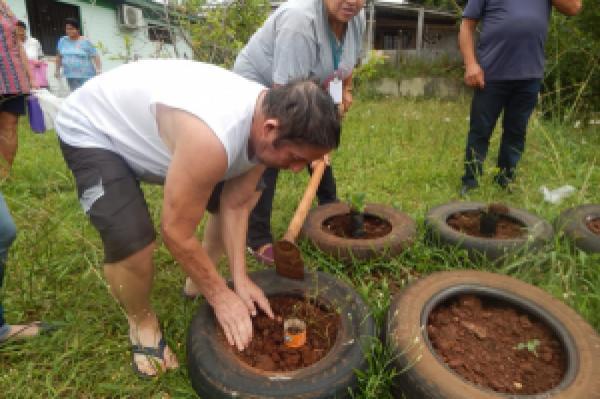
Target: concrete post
[
  {"x": 371, "y": 27},
  {"x": 420, "y": 24}
]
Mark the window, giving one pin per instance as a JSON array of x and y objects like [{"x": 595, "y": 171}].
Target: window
[
  {"x": 390, "y": 42},
  {"x": 159, "y": 34},
  {"x": 47, "y": 21}
]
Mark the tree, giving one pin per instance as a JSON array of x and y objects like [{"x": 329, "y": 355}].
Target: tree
[{"x": 221, "y": 29}]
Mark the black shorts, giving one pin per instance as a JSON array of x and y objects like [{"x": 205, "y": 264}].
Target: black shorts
[
  {"x": 13, "y": 103},
  {"x": 110, "y": 194}
]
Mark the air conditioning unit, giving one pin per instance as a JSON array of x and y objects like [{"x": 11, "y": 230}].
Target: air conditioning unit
[{"x": 130, "y": 17}]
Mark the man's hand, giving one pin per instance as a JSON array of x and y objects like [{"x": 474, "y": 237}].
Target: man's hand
[
  {"x": 250, "y": 294},
  {"x": 474, "y": 76},
  {"x": 233, "y": 316},
  {"x": 567, "y": 7},
  {"x": 326, "y": 158}
]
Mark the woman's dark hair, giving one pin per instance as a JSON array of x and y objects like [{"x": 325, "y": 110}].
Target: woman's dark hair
[
  {"x": 306, "y": 114},
  {"x": 21, "y": 24},
  {"x": 73, "y": 22}
]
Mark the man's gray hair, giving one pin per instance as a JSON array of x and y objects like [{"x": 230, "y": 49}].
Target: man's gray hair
[{"x": 306, "y": 114}]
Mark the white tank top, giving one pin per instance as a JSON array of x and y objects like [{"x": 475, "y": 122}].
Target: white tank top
[{"x": 116, "y": 111}]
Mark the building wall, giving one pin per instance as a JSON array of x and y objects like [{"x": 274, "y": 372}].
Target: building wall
[{"x": 100, "y": 25}]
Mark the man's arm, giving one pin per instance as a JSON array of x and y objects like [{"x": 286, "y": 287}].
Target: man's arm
[
  {"x": 188, "y": 186},
  {"x": 466, "y": 39},
  {"x": 567, "y": 7},
  {"x": 238, "y": 198}
]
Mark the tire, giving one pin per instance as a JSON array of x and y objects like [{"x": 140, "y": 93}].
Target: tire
[
  {"x": 539, "y": 232},
  {"x": 426, "y": 377},
  {"x": 216, "y": 373},
  {"x": 347, "y": 249},
  {"x": 573, "y": 223}
]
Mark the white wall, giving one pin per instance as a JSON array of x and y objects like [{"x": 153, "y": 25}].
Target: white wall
[{"x": 101, "y": 26}]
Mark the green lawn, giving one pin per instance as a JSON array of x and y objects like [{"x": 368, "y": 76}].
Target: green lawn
[{"x": 407, "y": 153}]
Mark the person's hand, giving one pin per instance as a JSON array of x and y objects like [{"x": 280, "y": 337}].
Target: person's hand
[
  {"x": 57, "y": 74},
  {"x": 251, "y": 294},
  {"x": 233, "y": 316},
  {"x": 326, "y": 158},
  {"x": 346, "y": 101},
  {"x": 474, "y": 76}
]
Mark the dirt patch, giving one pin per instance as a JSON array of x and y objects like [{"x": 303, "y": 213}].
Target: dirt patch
[
  {"x": 594, "y": 225},
  {"x": 341, "y": 226},
  {"x": 268, "y": 352},
  {"x": 468, "y": 222},
  {"x": 497, "y": 346}
]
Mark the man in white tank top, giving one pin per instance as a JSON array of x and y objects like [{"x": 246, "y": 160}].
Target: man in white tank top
[{"x": 207, "y": 135}]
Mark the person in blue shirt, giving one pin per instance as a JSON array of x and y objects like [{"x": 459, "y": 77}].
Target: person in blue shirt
[
  {"x": 506, "y": 73},
  {"x": 77, "y": 56}
]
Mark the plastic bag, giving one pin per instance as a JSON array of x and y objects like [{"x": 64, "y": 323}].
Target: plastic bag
[
  {"x": 36, "y": 116},
  {"x": 50, "y": 106},
  {"x": 555, "y": 196},
  {"x": 40, "y": 71}
]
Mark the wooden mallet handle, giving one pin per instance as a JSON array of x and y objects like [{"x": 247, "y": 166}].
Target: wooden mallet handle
[{"x": 304, "y": 205}]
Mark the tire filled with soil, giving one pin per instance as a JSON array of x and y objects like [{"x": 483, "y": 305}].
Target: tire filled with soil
[
  {"x": 386, "y": 231},
  {"x": 493, "y": 231},
  {"x": 581, "y": 225},
  {"x": 268, "y": 350},
  {"x": 338, "y": 329},
  {"x": 475, "y": 335}
]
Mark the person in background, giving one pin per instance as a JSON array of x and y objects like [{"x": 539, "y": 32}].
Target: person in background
[
  {"x": 33, "y": 50},
  {"x": 15, "y": 83},
  {"x": 77, "y": 56},
  {"x": 506, "y": 73},
  {"x": 316, "y": 39}
]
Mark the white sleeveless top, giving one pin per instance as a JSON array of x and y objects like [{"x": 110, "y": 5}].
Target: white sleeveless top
[{"x": 116, "y": 111}]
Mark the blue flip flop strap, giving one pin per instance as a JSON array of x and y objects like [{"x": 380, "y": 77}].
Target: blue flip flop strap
[{"x": 157, "y": 352}]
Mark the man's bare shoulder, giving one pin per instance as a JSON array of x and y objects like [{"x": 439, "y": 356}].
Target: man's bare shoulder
[
  {"x": 176, "y": 125},
  {"x": 189, "y": 139}
]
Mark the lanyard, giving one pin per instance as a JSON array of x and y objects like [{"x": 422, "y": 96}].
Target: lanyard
[{"x": 336, "y": 50}]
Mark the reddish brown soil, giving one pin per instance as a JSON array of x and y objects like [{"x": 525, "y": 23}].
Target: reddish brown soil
[
  {"x": 341, "y": 226},
  {"x": 594, "y": 225},
  {"x": 479, "y": 341},
  {"x": 468, "y": 222},
  {"x": 267, "y": 350}
]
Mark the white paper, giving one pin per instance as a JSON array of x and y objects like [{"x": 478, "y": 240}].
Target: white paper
[{"x": 335, "y": 90}]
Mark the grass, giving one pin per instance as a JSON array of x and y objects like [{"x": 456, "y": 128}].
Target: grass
[{"x": 407, "y": 153}]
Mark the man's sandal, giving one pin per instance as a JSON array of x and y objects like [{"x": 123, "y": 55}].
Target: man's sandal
[{"x": 158, "y": 353}]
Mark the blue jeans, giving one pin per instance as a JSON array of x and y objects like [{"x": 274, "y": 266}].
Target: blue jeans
[
  {"x": 517, "y": 98},
  {"x": 259, "y": 222},
  {"x": 8, "y": 232}
]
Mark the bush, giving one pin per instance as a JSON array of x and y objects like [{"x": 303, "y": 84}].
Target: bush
[{"x": 572, "y": 80}]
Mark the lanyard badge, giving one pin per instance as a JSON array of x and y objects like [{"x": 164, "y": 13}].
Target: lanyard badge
[
  {"x": 335, "y": 85},
  {"x": 335, "y": 90}
]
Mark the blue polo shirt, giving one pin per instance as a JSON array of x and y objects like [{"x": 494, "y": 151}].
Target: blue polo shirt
[{"x": 513, "y": 34}]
